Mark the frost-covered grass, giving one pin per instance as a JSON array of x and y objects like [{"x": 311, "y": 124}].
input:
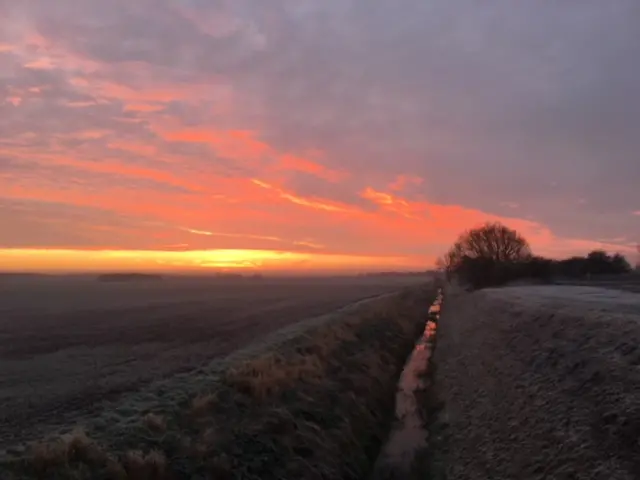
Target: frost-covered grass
[
  {"x": 83, "y": 344},
  {"x": 567, "y": 298},
  {"x": 538, "y": 382},
  {"x": 312, "y": 401}
]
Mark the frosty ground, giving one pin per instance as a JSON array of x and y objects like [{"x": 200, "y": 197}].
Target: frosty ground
[{"x": 537, "y": 382}]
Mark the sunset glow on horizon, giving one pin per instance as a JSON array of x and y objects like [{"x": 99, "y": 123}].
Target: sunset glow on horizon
[
  {"x": 193, "y": 261},
  {"x": 188, "y": 136}
]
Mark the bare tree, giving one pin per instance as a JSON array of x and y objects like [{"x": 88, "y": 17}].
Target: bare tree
[
  {"x": 483, "y": 255},
  {"x": 491, "y": 241},
  {"x": 442, "y": 267}
]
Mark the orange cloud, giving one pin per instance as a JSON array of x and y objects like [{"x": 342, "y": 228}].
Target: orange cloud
[
  {"x": 144, "y": 203},
  {"x": 292, "y": 162},
  {"x": 148, "y": 94},
  {"x": 310, "y": 244},
  {"x": 441, "y": 224},
  {"x": 244, "y": 146},
  {"x": 232, "y": 144},
  {"x": 126, "y": 170},
  {"x": 394, "y": 204},
  {"x": 270, "y": 238},
  {"x": 142, "y": 107},
  {"x": 142, "y": 149},
  {"x": 198, "y": 232},
  {"x": 400, "y": 224},
  {"x": 306, "y": 202}
]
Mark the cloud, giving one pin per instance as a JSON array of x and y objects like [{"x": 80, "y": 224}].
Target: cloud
[
  {"x": 252, "y": 236},
  {"x": 403, "y": 181},
  {"x": 315, "y": 204},
  {"x": 392, "y": 203},
  {"x": 356, "y": 128},
  {"x": 198, "y": 232}
]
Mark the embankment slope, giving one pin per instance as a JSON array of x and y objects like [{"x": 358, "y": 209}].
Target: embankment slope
[
  {"x": 311, "y": 401},
  {"x": 538, "y": 382}
]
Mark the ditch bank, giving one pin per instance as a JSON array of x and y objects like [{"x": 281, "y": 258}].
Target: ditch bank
[
  {"x": 314, "y": 401},
  {"x": 402, "y": 456},
  {"x": 537, "y": 382}
]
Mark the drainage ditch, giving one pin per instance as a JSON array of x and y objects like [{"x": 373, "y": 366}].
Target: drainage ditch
[{"x": 408, "y": 436}]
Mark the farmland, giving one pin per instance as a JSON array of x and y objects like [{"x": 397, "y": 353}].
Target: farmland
[{"x": 68, "y": 345}]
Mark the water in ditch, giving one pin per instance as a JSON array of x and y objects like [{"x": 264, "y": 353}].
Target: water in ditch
[{"x": 408, "y": 434}]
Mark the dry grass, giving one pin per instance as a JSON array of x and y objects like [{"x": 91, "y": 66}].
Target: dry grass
[
  {"x": 202, "y": 404},
  {"x": 155, "y": 423},
  {"x": 151, "y": 466},
  {"x": 268, "y": 375},
  {"x": 75, "y": 455},
  {"x": 315, "y": 405},
  {"x": 72, "y": 447}
]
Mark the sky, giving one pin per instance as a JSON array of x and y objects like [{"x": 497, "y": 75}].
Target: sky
[{"x": 313, "y": 135}]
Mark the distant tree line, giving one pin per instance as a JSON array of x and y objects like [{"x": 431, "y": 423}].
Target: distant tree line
[
  {"x": 493, "y": 255},
  {"x": 394, "y": 274}
]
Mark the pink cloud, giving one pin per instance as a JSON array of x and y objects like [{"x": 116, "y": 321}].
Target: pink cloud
[{"x": 296, "y": 163}]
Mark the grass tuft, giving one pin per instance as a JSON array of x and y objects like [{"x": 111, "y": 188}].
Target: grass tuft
[
  {"x": 270, "y": 374},
  {"x": 152, "y": 466},
  {"x": 72, "y": 447},
  {"x": 203, "y": 404},
  {"x": 155, "y": 423}
]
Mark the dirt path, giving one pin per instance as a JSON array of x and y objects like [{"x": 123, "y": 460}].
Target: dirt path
[{"x": 538, "y": 383}]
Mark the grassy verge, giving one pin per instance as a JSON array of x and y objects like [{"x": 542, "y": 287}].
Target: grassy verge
[
  {"x": 537, "y": 382},
  {"x": 316, "y": 404}
]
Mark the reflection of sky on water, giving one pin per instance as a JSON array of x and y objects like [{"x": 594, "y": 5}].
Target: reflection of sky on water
[{"x": 408, "y": 434}]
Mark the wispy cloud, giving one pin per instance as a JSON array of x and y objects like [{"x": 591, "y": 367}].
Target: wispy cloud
[
  {"x": 198, "y": 232},
  {"x": 315, "y": 204},
  {"x": 512, "y": 205},
  {"x": 252, "y": 236},
  {"x": 403, "y": 181}
]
